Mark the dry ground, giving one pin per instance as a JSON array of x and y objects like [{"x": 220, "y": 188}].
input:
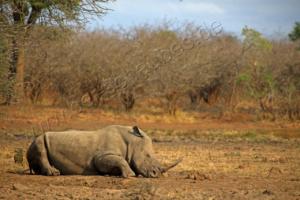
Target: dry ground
[{"x": 222, "y": 159}]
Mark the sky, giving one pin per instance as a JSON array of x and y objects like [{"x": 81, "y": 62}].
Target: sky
[{"x": 270, "y": 17}]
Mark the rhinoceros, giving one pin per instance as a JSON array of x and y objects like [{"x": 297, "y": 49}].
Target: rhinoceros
[{"x": 114, "y": 150}]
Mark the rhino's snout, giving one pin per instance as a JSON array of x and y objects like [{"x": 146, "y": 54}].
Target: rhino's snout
[
  {"x": 154, "y": 173},
  {"x": 150, "y": 172}
]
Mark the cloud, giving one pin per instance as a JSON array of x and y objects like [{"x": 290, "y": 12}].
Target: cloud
[
  {"x": 166, "y": 7},
  {"x": 266, "y": 16}
]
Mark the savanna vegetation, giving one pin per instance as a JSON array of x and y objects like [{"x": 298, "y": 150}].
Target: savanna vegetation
[{"x": 169, "y": 67}]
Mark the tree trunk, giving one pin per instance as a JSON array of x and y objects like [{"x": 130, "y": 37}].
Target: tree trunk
[
  {"x": 193, "y": 97},
  {"x": 19, "y": 83},
  {"x": 172, "y": 99},
  {"x": 128, "y": 100},
  {"x": 15, "y": 77},
  {"x": 12, "y": 72}
]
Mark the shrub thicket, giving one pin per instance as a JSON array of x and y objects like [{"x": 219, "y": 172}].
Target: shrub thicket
[{"x": 179, "y": 66}]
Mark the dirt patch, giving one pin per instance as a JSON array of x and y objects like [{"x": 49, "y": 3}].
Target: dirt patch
[
  {"x": 30, "y": 121},
  {"x": 212, "y": 169},
  {"x": 222, "y": 159}
]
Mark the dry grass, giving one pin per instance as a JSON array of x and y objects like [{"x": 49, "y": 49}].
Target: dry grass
[{"x": 32, "y": 120}]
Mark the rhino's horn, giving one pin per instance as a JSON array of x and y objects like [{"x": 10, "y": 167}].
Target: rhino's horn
[{"x": 165, "y": 169}]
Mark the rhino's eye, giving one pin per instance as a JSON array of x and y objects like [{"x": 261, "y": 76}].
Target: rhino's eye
[{"x": 148, "y": 155}]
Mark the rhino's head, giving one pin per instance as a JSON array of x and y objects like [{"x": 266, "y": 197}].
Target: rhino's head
[{"x": 143, "y": 161}]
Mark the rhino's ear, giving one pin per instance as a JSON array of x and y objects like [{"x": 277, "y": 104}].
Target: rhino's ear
[{"x": 136, "y": 132}]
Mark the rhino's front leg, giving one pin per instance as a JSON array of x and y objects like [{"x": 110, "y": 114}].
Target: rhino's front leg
[{"x": 113, "y": 165}]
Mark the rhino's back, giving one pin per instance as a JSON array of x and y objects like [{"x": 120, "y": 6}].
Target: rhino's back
[{"x": 72, "y": 151}]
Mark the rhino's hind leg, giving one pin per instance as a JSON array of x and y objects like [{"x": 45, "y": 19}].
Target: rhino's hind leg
[
  {"x": 38, "y": 159},
  {"x": 113, "y": 165}
]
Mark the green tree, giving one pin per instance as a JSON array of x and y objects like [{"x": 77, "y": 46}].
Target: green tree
[
  {"x": 255, "y": 39},
  {"x": 18, "y": 17},
  {"x": 295, "y": 34},
  {"x": 257, "y": 77}
]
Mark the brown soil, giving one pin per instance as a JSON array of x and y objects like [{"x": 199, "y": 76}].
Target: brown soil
[{"x": 222, "y": 160}]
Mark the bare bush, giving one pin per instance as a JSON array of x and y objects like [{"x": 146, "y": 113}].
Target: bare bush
[{"x": 169, "y": 63}]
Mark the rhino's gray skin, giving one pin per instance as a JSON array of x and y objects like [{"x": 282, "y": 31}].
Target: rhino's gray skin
[{"x": 113, "y": 150}]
